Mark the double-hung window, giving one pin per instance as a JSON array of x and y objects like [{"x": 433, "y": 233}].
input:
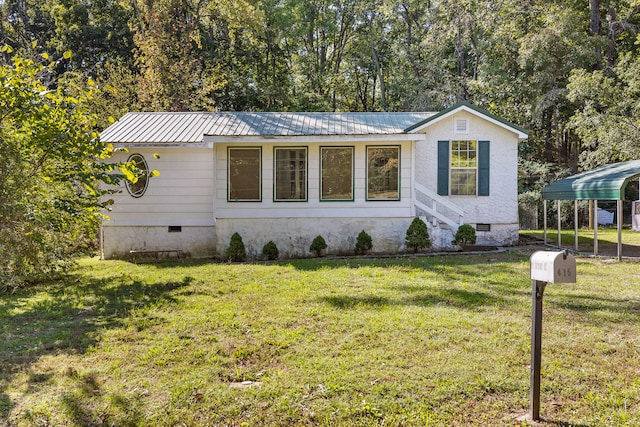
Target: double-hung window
[
  {"x": 336, "y": 173},
  {"x": 464, "y": 168},
  {"x": 290, "y": 172},
  {"x": 383, "y": 173},
  {"x": 244, "y": 174}
]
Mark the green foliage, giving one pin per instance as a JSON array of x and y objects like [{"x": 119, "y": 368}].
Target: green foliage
[
  {"x": 466, "y": 235},
  {"x": 417, "y": 236},
  {"x": 236, "y": 251},
  {"x": 563, "y": 70},
  {"x": 270, "y": 250},
  {"x": 51, "y": 170},
  {"x": 318, "y": 245},
  {"x": 363, "y": 243},
  {"x": 608, "y": 120}
]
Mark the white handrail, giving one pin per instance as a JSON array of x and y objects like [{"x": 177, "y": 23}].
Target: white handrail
[
  {"x": 438, "y": 215},
  {"x": 438, "y": 198}
]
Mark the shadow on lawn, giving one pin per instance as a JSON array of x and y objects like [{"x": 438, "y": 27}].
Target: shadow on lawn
[
  {"x": 68, "y": 318},
  {"x": 425, "y": 261},
  {"x": 447, "y": 297}
]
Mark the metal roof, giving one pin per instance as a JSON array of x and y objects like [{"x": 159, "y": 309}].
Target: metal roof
[
  {"x": 604, "y": 183},
  {"x": 191, "y": 127}
]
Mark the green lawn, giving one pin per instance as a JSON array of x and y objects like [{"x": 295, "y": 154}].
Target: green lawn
[
  {"x": 607, "y": 240},
  {"x": 400, "y": 341}
]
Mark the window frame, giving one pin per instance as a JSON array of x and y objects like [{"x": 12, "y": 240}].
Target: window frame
[
  {"x": 376, "y": 199},
  {"x": 229, "y": 199},
  {"x": 467, "y": 168},
  {"x": 306, "y": 174},
  {"x": 335, "y": 147},
  {"x": 145, "y": 175}
]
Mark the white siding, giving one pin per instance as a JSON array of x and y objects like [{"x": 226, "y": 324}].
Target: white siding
[
  {"x": 313, "y": 207},
  {"x": 181, "y": 195}
]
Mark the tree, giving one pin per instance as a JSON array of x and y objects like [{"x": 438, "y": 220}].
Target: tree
[
  {"x": 608, "y": 120},
  {"x": 50, "y": 171},
  {"x": 173, "y": 75}
]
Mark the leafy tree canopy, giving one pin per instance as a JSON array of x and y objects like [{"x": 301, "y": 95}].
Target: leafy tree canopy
[{"x": 50, "y": 169}]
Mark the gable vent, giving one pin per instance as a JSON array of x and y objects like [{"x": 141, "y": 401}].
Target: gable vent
[{"x": 461, "y": 125}]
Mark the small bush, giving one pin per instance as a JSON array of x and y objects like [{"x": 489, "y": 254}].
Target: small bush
[
  {"x": 236, "y": 251},
  {"x": 318, "y": 245},
  {"x": 417, "y": 235},
  {"x": 466, "y": 235},
  {"x": 363, "y": 243},
  {"x": 270, "y": 250}
]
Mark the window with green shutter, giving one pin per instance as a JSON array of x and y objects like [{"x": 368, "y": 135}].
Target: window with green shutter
[{"x": 463, "y": 168}]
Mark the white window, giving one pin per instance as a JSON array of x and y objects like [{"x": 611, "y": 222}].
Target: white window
[
  {"x": 290, "y": 172},
  {"x": 464, "y": 168},
  {"x": 244, "y": 183},
  {"x": 383, "y": 173},
  {"x": 336, "y": 173}
]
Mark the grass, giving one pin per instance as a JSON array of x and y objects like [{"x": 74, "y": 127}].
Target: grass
[
  {"x": 401, "y": 341},
  {"x": 607, "y": 240}
]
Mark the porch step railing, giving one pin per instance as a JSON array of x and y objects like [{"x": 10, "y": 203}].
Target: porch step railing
[{"x": 449, "y": 213}]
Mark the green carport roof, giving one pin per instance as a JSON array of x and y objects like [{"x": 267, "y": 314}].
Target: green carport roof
[{"x": 604, "y": 183}]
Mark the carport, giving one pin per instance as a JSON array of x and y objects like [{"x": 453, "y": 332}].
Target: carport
[{"x": 604, "y": 183}]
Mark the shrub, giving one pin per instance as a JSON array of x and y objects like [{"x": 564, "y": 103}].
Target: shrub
[
  {"x": 236, "y": 251},
  {"x": 417, "y": 235},
  {"x": 318, "y": 245},
  {"x": 466, "y": 235},
  {"x": 270, "y": 250},
  {"x": 363, "y": 243}
]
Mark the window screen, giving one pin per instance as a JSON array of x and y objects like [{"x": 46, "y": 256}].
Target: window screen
[
  {"x": 290, "y": 174},
  {"x": 336, "y": 173},
  {"x": 383, "y": 173},
  {"x": 244, "y": 174}
]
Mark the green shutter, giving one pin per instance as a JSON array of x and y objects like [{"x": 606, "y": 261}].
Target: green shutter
[
  {"x": 483, "y": 168},
  {"x": 443, "y": 168}
]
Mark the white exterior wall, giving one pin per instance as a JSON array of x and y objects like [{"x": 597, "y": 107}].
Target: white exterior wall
[
  {"x": 181, "y": 196},
  {"x": 293, "y": 236},
  {"x": 293, "y": 225},
  {"x": 500, "y": 208}
]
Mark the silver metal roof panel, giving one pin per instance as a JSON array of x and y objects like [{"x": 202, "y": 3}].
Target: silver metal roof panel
[{"x": 191, "y": 127}]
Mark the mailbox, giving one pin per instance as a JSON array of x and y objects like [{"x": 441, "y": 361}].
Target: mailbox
[
  {"x": 553, "y": 267},
  {"x": 546, "y": 267}
]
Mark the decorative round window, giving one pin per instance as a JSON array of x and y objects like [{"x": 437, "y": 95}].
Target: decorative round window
[{"x": 137, "y": 189}]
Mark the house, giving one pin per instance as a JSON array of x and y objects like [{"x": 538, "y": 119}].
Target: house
[{"x": 289, "y": 177}]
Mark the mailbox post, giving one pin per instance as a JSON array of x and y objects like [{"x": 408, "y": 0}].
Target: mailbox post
[{"x": 546, "y": 267}]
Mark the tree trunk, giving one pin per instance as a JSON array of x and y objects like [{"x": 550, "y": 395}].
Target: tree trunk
[
  {"x": 612, "y": 34},
  {"x": 594, "y": 29}
]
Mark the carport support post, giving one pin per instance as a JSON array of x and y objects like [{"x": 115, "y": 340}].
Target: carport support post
[
  {"x": 595, "y": 227},
  {"x": 544, "y": 206},
  {"x": 559, "y": 225},
  {"x": 619, "y": 229},
  {"x": 537, "y": 291},
  {"x": 575, "y": 222}
]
